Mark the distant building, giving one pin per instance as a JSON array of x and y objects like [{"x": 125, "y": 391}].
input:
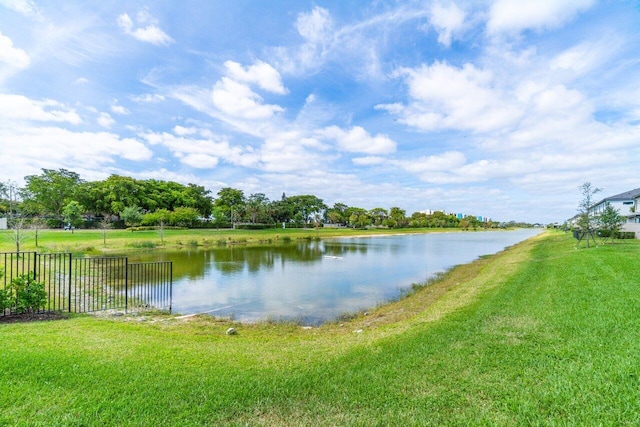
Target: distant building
[
  {"x": 3, "y": 223},
  {"x": 430, "y": 211}
]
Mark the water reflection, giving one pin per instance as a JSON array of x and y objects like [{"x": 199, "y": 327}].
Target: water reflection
[{"x": 319, "y": 280}]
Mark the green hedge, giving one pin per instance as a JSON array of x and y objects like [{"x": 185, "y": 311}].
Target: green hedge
[{"x": 618, "y": 235}]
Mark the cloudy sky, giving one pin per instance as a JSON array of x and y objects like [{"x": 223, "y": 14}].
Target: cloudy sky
[{"x": 496, "y": 108}]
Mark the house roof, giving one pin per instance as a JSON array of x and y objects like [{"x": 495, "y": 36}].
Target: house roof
[{"x": 627, "y": 195}]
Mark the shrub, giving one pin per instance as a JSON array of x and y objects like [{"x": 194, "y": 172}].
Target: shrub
[
  {"x": 5, "y": 300},
  {"x": 26, "y": 294},
  {"x": 143, "y": 245},
  {"x": 255, "y": 226},
  {"x": 617, "y": 234}
]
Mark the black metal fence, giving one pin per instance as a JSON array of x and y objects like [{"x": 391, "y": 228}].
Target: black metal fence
[{"x": 81, "y": 285}]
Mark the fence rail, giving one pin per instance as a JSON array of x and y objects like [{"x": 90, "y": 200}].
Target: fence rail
[{"x": 82, "y": 285}]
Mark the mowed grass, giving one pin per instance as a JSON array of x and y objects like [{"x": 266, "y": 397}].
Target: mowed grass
[{"x": 539, "y": 334}]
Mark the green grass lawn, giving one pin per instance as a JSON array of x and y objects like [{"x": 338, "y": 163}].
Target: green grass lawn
[{"x": 539, "y": 334}]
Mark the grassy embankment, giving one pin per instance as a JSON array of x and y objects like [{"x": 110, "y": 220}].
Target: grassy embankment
[
  {"x": 95, "y": 242},
  {"x": 540, "y": 334}
]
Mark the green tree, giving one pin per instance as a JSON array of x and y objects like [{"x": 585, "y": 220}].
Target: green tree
[
  {"x": 587, "y": 218},
  {"x": 218, "y": 218},
  {"x": 471, "y": 221},
  {"x": 184, "y": 216},
  {"x": 116, "y": 193},
  {"x": 49, "y": 192},
  {"x": 72, "y": 214},
  {"x": 196, "y": 196},
  {"x": 131, "y": 215},
  {"x": 256, "y": 206},
  {"x": 418, "y": 219},
  {"x": 232, "y": 202},
  {"x": 611, "y": 221},
  {"x": 9, "y": 192},
  {"x": 378, "y": 215},
  {"x": 305, "y": 207},
  {"x": 399, "y": 216},
  {"x": 359, "y": 218},
  {"x": 159, "y": 217},
  {"x": 281, "y": 211},
  {"x": 338, "y": 214}
]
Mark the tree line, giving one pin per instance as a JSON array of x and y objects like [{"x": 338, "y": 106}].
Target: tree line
[{"x": 62, "y": 197}]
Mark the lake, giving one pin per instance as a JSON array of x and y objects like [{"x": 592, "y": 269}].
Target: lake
[{"x": 317, "y": 281}]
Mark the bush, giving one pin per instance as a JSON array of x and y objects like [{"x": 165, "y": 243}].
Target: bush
[
  {"x": 617, "y": 234},
  {"x": 154, "y": 228},
  {"x": 25, "y": 295},
  {"x": 142, "y": 245},
  {"x": 255, "y": 226},
  {"x": 5, "y": 300}
]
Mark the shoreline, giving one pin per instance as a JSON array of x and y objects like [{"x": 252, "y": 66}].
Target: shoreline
[{"x": 95, "y": 242}]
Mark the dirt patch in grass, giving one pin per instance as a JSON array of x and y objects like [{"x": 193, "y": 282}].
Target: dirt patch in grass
[{"x": 38, "y": 317}]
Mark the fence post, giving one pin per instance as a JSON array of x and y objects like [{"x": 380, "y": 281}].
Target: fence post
[
  {"x": 126, "y": 285},
  {"x": 70, "y": 281},
  {"x": 35, "y": 265}
]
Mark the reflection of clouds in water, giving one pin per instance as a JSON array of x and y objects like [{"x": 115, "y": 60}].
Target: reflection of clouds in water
[{"x": 298, "y": 282}]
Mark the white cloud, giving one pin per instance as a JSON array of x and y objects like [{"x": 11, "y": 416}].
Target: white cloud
[
  {"x": 238, "y": 100},
  {"x": 150, "y": 98},
  {"x": 440, "y": 163},
  {"x": 199, "y": 152},
  {"x": 33, "y": 136},
  {"x": 315, "y": 26},
  {"x": 318, "y": 33},
  {"x": 118, "y": 109},
  {"x": 183, "y": 131},
  {"x": 358, "y": 140},
  {"x": 24, "y": 7},
  {"x": 260, "y": 73},
  {"x": 447, "y": 20},
  {"x": 146, "y": 29},
  {"x": 285, "y": 152},
  {"x": 585, "y": 56},
  {"x": 447, "y": 97},
  {"x": 368, "y": 161},
  {"x": 513, "y": 16},
  {"x": 53, "y": 147},
  {"x": 200, "y": 161},
  {"x": 12, "y": 56},
  {"x": 105, "y": 120},
  {"x": 18, "y": 107}
]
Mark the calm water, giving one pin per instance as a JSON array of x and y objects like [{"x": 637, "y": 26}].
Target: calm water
[{"x": 317, "y": 281}]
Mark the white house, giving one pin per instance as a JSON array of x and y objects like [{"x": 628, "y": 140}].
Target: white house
[
  {"x": 3, "y": 223},
  {"x": 627, "y": 204}
]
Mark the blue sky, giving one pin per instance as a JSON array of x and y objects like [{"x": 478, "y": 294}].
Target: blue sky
[{"x": 495, "y": 108}]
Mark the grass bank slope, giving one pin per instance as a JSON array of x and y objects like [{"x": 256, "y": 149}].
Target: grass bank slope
[{"x": 540, "y": 334}]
